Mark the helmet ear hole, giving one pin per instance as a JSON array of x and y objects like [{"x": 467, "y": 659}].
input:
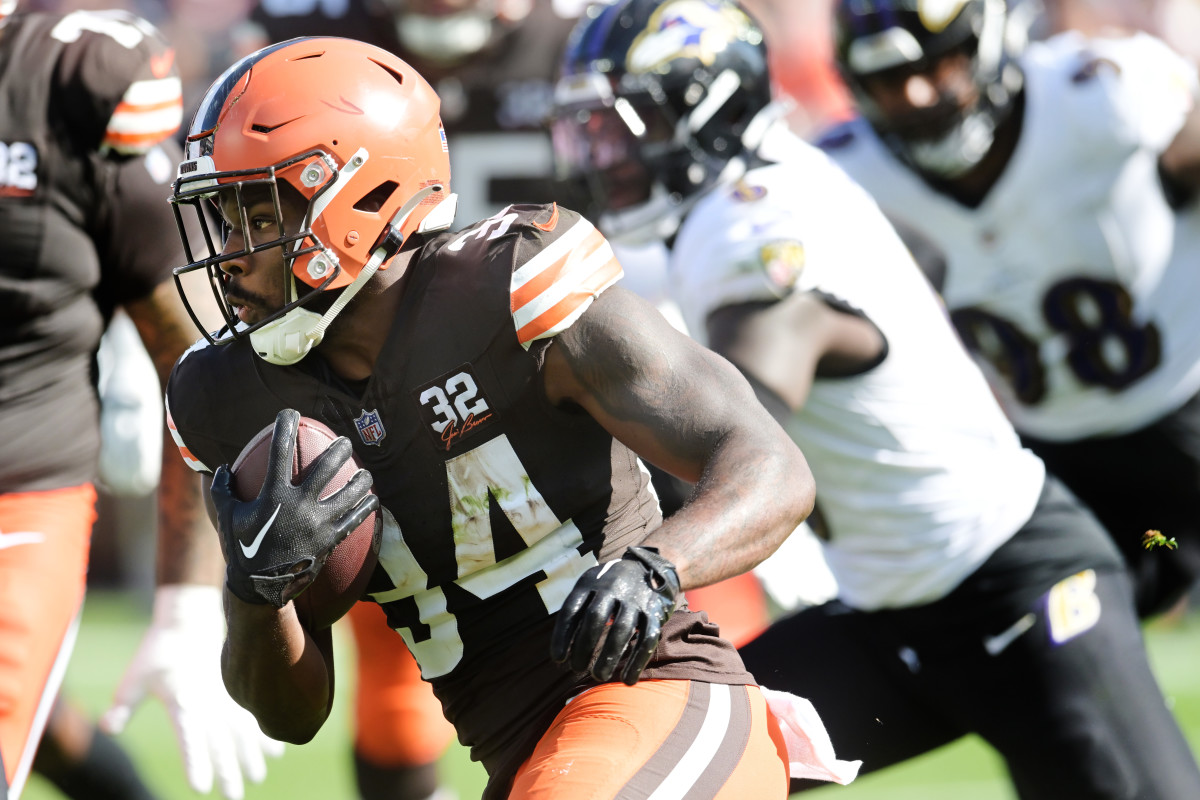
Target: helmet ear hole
[{"x": 374, "y": 200}]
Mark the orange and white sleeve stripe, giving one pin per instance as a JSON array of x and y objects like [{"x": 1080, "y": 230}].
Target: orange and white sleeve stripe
[
  {"x": 559, "y": 283},
  {"x": 150, "y": 111},
  {"x": 188, "y": 458}
]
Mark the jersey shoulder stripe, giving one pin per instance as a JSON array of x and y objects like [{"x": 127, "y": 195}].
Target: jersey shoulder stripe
[
  {"x": 550, "y": 291},
  {"x": 189, "y": 456},
  {"x": 184, "y": 450},
  {"x": 149, "y": 112},
  {"x": 118, "y": 79}
]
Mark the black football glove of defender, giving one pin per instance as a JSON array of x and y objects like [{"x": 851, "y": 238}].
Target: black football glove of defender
[
  {"x": 636, "y": 594},
  {"x": 275, "y": 544}
]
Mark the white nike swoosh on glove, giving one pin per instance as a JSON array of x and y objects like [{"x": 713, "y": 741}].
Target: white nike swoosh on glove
[{"x": 252, "y": 550}]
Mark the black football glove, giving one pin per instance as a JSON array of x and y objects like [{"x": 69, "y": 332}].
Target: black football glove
[
  {"x": 276, "y": 544},
  {"x": 636, "y": 594}
]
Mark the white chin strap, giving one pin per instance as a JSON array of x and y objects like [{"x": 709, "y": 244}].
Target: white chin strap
[
  {"x": 290, "y": 338},
  {"x": 656, "y": 219}
]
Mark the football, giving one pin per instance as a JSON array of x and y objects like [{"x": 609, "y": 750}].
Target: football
[{"x": 343, "y": 579}]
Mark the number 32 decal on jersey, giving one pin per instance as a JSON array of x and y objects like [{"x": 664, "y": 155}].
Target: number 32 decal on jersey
[
  {"x": 18, "y": 169},
  {"x": 1105, "y": 346},
  {"x": 489, "y": 473}
]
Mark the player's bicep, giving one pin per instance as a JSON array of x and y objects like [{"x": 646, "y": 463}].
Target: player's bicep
[
  {"x": 201, "y": 453},
  {"x": 164, "y": 326},
  {"x": 210, "y": 507},
  {"x": 662, "y": 394},
  {"x": 1180, "y": 162},
  {"x": 141, "y": 241}
]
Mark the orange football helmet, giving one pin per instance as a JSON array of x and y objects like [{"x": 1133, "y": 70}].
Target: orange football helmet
[{"x": 357, "y": 132}]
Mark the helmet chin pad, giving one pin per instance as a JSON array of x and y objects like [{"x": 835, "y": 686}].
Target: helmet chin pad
[
  {"x": 884, "y": 35},
  {"x": 288, "y": 339},
  {"x": 956, "y": 152}
]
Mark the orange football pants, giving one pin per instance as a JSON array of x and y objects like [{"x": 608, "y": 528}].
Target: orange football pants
[
  {"x": 44, "y": 538},
  {"x": 670, "y": 739},
  {"x": 397, "y": 720}
]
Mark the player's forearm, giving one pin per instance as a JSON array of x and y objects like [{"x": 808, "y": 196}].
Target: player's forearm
[
  {"x": 755, "y": 490},
  {"x": 188, "y": 550},
  {"x": 277, "y": 671}
]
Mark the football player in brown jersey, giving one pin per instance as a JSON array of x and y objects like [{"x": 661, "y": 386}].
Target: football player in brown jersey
[
  {"x": 492, "y": 65},
  {"x": 502, "y": 392},
  {"x": 90, "y": 98}
]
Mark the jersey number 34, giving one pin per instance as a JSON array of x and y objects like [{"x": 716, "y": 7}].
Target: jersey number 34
[{"x": 489, "y": 473}]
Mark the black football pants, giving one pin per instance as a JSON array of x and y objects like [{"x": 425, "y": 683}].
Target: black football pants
[{"x": 1039, "y": 652}]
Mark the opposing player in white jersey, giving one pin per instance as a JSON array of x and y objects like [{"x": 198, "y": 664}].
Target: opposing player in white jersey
[
  {"x": 1058, "y": 179},
  {"x": 977, "y": 595}
]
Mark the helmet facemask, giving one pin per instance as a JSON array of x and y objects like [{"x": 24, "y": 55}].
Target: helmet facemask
[
  {"x": 631, "y": 153},
  {"x": 942, "y": 139},
  {"x": 649, "y": 121},
  {"x": 344, "y": 142},
  {"x": 200, "y": 197}
]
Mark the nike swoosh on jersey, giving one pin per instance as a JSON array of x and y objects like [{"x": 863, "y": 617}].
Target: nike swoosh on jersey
[
  {"x": 160, "y": 65},
  {"x": 995, "y": 645},
  {"x": 548, "y": 227},
  {"x": 252, "y": 550},
  {"x": 8, "y": 540}
]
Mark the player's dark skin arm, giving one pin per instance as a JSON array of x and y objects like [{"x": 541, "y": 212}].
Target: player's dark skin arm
[
  {"x": 1180, "y": 162},
  {"x": 785, "y": 345},
  {"x": 188, "y": 549},
  {"x": 688, "y": 411},
  {"x": 285, "y": 677},
  {"x": 274, "y": 667}
]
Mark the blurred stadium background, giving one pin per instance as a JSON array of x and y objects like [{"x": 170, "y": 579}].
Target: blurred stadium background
[
  {"x": 114, "y": 620},
  {"x": 208, "y": 35}
]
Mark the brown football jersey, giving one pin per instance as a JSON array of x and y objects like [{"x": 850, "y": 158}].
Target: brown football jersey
[
  {"x": 496, "y": 501},
  {"x": 84, "y": 222}
]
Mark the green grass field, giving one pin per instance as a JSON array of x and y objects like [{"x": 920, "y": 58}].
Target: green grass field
[{"x": 321, "y": 770}]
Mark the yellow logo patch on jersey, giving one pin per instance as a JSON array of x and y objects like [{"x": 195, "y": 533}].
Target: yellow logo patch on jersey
[
  {"x": 1072, "y": 606},
  {"x": 783, "y": 261},
  {"x": 745, "y": 192}
]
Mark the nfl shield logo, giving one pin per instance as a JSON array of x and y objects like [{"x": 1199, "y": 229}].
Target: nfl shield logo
[{"x": 370, "y": 427}]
